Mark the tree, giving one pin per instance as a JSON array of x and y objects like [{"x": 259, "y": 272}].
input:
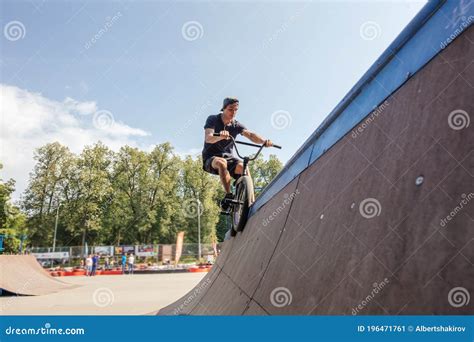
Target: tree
[
  {"x": 198, "y": 184},
  {"x": 145, "y": 187},
  {"x": 128, "y": 202},
  {"x": 125, "y": 197},
  {"x": 92, "y": 188},
  {"x": 12, "y": 220},
  {"x": 263, "y": 171},
  {"x": 6, "y": 189},
  {"x": 164, "y": 200},
  {"x": 14, "y": 229},
  {"x": 44, "y": 190}
]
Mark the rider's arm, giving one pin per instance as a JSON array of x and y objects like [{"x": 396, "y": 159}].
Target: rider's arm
[
  {"x": 254, "y": 137},
  {"x": 209, "y": 138}
]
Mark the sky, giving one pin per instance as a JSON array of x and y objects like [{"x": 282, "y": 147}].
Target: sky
[{"x": 146, "y": 72}]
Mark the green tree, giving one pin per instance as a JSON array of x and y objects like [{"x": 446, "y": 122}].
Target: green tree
[
  {"x": 12, "y": 220},
  {"x": 6, "y": 189},
  {"x": 14, "y": 230},
  {"x": 263, "y": 171},
  {"x": 44, "y": 190},
  {"x": 128, "y": 197},
  {"x": 92, "y": 190},
  {"x": 198, "y": 184},
  {"x": 145, "y": 187},
  {"x": 164, "y": 200}
]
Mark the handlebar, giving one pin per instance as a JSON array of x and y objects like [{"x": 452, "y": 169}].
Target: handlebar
[{"x": 247, "y": 144}]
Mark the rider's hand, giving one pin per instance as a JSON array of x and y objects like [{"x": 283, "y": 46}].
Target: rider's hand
[
  {"x": 225, "y": 135},
  {"x": 268, "y": 143}
]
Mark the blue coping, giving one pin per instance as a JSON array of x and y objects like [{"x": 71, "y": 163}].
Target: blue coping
[{"x": 436, "y": 25}]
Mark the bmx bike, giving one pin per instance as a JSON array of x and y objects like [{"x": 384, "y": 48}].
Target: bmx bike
[{"x": 244, "y": 195}]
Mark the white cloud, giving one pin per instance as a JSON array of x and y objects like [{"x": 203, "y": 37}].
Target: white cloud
[
  {"x": 30, "y": 120},
  {"x": 83, "y": 108}
]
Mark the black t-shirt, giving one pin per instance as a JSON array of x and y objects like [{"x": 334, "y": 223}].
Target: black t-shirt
[{"x": 223, "y": 148}]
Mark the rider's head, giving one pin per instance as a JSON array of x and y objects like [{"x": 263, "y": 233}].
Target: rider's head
[{"x": 230, "y": 106}]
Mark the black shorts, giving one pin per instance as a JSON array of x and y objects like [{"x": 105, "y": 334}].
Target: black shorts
[{"x": 231, "y": 165}]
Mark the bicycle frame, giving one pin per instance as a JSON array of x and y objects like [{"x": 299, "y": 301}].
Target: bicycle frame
[
  {"x": 239, "y": 208},
  {"x": 246, "y": 159}
]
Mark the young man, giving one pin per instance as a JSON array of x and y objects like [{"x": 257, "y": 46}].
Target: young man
[
  {"x": 89, "y": 265},
  {"x": 218, "y": 152},
  {"x": 95, "y": 263},
  {"x": 131, "y": 261},
  {"x": 124, "y": 262}
]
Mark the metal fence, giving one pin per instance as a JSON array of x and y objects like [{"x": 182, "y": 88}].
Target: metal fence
[{"x": 153, "y": 254}]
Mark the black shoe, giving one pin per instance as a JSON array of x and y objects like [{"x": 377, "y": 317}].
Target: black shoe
[{"x": 225, "y": 204}]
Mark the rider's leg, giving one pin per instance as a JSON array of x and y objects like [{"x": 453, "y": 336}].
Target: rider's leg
[
  {"x": 239, "y": 169},
  {"x": 220, "y": 164}
]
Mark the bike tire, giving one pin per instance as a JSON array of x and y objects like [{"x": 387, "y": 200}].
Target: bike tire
[{"x": 245, "y": 194}]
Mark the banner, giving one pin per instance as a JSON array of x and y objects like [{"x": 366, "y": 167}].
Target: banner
[
  {"x": 144, "y": 250},
  {"x": 246, "y": 328},
  {"x": 104, "y": 250},
  {"x": 124, "y": 249},
  {"x": 179, "y": 247},
  {"x": 165, "y": 253},
  {"x": 52, "y": 255},
  {"x": 128, "y": 249}
]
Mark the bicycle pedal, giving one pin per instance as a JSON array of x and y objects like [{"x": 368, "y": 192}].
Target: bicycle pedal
[{"x": 235, "y": 201}]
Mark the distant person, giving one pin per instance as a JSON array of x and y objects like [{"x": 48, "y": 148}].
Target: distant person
[
  {"x": 131, "y": 261},
  {"x": 95, "y": 262},
  {"x": 124, "y": 262},
  {"x": 89, "y": 265},
  {"x": 107, "y": 262}
]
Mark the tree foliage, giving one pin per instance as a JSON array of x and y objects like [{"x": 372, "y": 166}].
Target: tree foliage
[
  {"x": 126, "y": 197},
  {"x": 12, "y": 220}
]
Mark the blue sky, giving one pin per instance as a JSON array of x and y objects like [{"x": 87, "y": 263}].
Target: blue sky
[{"x": 289, "y": 63}]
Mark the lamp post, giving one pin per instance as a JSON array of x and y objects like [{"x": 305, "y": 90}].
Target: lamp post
[
  {"x": 55, "y": 232},
  {"x": 199, "y": 225},
  {"x": 22, "y": 238},
  {"x": 56, "y": 227}
]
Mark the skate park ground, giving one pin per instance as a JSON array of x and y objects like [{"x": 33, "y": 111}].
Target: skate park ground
[{"x": 138, "y": 294}]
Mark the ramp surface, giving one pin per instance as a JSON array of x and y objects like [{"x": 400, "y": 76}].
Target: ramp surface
[
  {"x": 22, "y": 274},
  {"x": 375, "y": 213}
]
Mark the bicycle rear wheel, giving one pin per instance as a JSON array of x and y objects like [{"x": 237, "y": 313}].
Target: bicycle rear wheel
[{"x": 244, "y": 196}]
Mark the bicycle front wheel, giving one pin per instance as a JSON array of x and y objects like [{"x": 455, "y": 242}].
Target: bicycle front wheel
[{"x": 244, "y": 196}]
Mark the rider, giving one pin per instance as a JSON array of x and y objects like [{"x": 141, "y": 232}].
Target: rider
[{"x": 218, "y": 152}]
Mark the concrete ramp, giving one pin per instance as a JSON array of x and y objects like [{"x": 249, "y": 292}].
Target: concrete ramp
[
  {"x": 22, "y": 274},
  {"x": 375, "y": 212}
]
